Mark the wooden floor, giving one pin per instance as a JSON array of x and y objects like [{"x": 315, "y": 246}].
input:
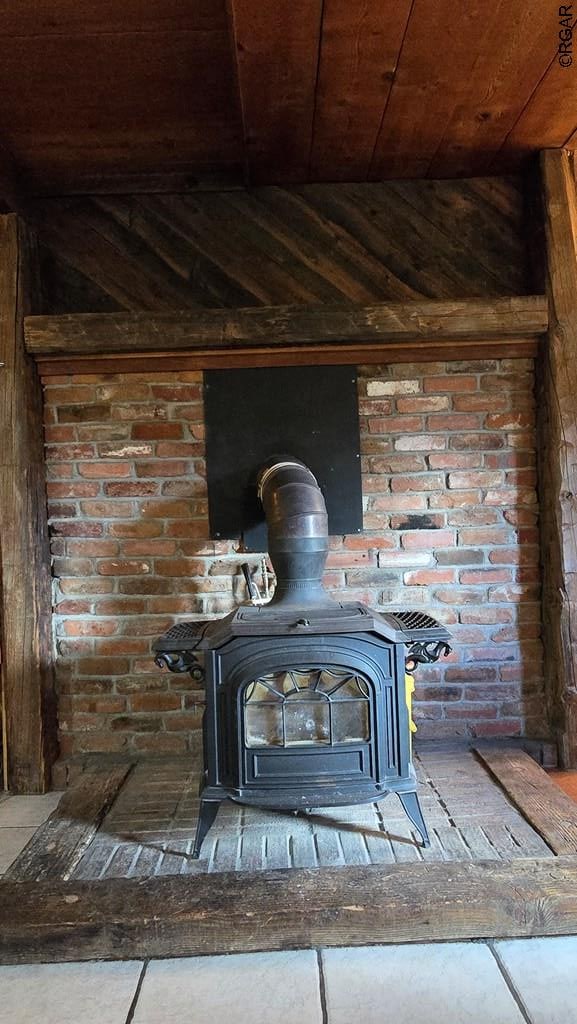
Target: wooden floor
[
  {"x": 110, "y": 875},
  {"x": 150, "y": 828}
]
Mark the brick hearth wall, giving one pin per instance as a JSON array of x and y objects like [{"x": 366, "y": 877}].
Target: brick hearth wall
[{"x": 450, "y": 526}]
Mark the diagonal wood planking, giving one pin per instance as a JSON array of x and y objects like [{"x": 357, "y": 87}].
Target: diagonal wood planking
[{"x": 305, "y": 245}]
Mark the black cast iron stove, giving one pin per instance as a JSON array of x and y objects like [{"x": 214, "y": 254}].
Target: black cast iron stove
[{"x": 306, "y": 700}]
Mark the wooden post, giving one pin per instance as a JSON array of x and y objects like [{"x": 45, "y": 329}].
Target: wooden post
[
  {"x": 25, "y": 599},
  {"x": 558, "y": 451}
]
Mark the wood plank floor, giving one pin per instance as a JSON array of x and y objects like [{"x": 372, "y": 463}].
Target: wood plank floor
[{"x": 150, "y": 829}]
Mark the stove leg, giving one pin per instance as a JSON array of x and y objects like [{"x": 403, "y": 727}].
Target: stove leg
[
  {"x": 206, "y": 815},
  {"x": 412, "y": 808}
]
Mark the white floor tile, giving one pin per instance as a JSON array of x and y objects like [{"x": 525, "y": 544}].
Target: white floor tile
[
  {"x": 12, "y": 842},
  {"x": 544, "y": 972},
  {"x": 250, "y": 988},
  {"x": 19, "y": 811},
  {"x": 90, "y": 993},
  {"x": 449, "y": 983}
]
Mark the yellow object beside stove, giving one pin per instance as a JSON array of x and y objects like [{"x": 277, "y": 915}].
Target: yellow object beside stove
[{"x": 409, "y": 691}]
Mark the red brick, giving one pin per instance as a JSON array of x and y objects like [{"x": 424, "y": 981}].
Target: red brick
[
  {"x": 149, "y": 547},
  {"x": 124, "y": 450},
  {"x": 58, "y": 509},
  {"x": 399, "y": 503},
  {"x": 157, "y": 431},
  {"x": 473, "y": 576},
  {"x": 366, "y": 541},
  {"x": 83, "y": 413},
  {"x": 505, "y": 727},
  {"x": 59, "y": 434},
  {"x": 176, "y": 449},
  {"x": 450, "y": 460},
  {"x": 476, "y": 442},
  {"x": 162, "y": 467},
  {"x": 458, "y": 596},
  {"x": 155, "y": 702},
  {"x": 481, "y": 478},
  {"x": 145, "y": 488},
  {"x": 60, "y": 470},
  {"x": 453, "y": 421},
  {"x": 82, "y": 489},
  {"x": 75, "y": 393},
  {"x": 428, "y": 539},
  {"x": 107, "y": 509},
  {"x": 395, "y": 424},
  {"x": 104, "y": 470},
  {"x": 72, "y": 567},
  {"x": 122, "y": 645},
  {"x": 178, "y": 392},
  {"x": 459, "y": 382},
  {"x": 344, "y": 559},
  {"x": 486, "y": 616},
  {"x": 454, "y": 499},
  {"x": 73, "y": 608},
  {"x": 120, "y": 606},
  {"x": 397, "y": 464},
  {"x": 138, "y": 529},
  {"x": 415, "y": 522},
  {"x": 426, "y": 482},
  {"x": 481, "y": 403},
  {"x": 511, "y": 496},
  {"x": 88, "y": 585},
  {"x": 484, "y": 536},
  {"x": 123, "y": 568},
  {"x": 167, "y": 509},
  {"x": 103, "y": 666},
  {"x": 161, "y": 743},
  {"x": 76, "y": 528},
  {"x": 510, "y": 421},
  {"x": 427, "y": 577},
  {"x": 421, "y": 443},
  {"x": 92, "y": 548},
  {"x": 422, "y": 403},
  {"x": 90, "y": 627},
  {"x": 129, "y": 390},
  {"x": 376, "y": 406}
]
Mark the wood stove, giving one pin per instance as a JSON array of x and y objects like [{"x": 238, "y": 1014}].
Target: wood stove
[{"x": 306, "y": 698}]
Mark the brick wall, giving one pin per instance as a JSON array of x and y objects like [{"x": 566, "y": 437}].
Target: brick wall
[{"x": 450, "y": 526}]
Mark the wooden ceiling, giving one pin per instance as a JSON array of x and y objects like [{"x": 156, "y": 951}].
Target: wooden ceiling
[{"x": 114, "y": 95}]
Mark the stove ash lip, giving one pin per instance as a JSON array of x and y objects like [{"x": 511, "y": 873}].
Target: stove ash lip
[{"x": 298, "y": 537}]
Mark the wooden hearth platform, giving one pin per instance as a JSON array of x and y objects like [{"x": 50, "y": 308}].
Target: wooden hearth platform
[{"x": 110, "y": 875}]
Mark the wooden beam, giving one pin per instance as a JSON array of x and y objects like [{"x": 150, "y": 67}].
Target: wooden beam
[
  {"x": 25, "y": 596},
  {"x": 275, "y": 327},
  {"x": 325, "y": 355},
  {"x": 129, "y": 918},
  {"x": 59, "y": 844},
  {"x": 551, "y": 812},
  {"x": 10, "y": 191},
  {"x": 558, "y": 449}
]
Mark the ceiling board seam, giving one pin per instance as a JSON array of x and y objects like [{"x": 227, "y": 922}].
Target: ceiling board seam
[
  {"x": 316, "y": 88},
  {"x": 231, "y": 26},
  {"x": 388, "y": 99}
]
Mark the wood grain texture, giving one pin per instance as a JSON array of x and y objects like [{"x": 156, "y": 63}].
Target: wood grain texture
[
  {"x": 511, "y": 59},
  {"x": 310, "y": 244},
  {"x": 358, "y": 58},
  {"x": 551, "y": 813},
  {"x": 275, "y": 327},
  {"x": 321, "y": 355},
  {"x": 25, "y": 595},
  {"x": 296, "y": 908},
  {"x": 277, "y": 51},
  {"x": 58, "y": 845},
  {"x": 559, "y": 450}
]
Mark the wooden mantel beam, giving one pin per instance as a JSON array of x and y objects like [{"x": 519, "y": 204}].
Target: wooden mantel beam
[{"x": 273, "y": 327}]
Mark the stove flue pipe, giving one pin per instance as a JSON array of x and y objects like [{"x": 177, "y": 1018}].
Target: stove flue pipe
[{"x": 297, "y": 521}]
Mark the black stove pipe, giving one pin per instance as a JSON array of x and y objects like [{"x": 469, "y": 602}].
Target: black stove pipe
[{"x": 297, "y": 521}]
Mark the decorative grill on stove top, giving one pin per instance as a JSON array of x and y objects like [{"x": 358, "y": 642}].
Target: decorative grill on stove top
[{"x": 306, "y": 697}]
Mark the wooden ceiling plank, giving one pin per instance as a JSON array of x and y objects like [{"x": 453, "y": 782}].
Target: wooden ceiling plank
[
  {"x": 510, "y": 61},
  {"x": 71, "y": 17},
  {"x": 277, "y": 43},
  {"x": 547, "y": 121},
  {"x": 360, "y": 45},
  {"x": 11, "y": 198},
  {"x": 140, "y": 102},
  {"x": 435, "y": 63},
  {"x": 279, "y": 326}
]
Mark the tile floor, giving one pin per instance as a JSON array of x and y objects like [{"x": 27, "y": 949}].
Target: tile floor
[{"x": 524, "y": 981}]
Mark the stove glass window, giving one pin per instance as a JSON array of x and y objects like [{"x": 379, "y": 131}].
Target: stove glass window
[{"x": 307, "y": 707}]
